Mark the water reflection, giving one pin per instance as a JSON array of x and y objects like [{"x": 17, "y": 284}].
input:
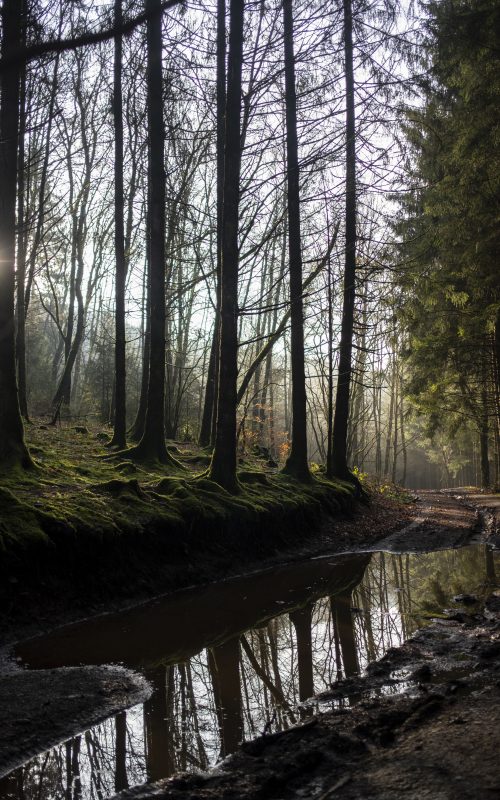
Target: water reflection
[{"x": 234, "y": 661}]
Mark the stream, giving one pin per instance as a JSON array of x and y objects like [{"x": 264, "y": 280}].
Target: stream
[{"x": 236, "y": 659}]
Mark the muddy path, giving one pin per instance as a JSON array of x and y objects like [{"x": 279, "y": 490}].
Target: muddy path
[
  {"x": 437, "y": 740},
  {"x": 40, "y": 708}
]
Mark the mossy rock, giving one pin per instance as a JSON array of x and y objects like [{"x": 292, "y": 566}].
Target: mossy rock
[
  {"x": 198, "y": 460},
  {"x": 118, "y": 488},
  {"x": 19, "y": 525},
  {"x": 127, "y": 468},
  {"x": 207, "y": 485},
  {"x": 169, "y": 485},
  {"x": 253, "y": 476}
]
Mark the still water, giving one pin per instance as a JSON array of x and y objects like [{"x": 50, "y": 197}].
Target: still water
[{"x": 237, "y": 659}]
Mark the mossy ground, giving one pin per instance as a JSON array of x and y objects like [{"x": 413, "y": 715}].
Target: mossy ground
[{"x": 82, "y": 518}]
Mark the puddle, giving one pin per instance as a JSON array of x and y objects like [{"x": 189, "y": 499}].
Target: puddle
[{"x": 236, "y": 659}]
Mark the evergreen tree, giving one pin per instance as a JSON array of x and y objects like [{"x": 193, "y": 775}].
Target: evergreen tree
[{"x": 449, "y": 222}]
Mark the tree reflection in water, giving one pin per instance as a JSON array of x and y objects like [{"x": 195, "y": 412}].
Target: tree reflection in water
[{"x": 253, "y": 682}]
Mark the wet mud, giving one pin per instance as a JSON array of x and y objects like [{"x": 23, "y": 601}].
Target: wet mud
[{"x": 438, "y": 739}]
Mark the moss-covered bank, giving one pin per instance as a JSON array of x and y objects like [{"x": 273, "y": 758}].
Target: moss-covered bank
[{"x": 84, "y": 523}]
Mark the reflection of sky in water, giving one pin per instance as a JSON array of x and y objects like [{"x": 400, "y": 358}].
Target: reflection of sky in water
[{"x": 179, "y": 729}]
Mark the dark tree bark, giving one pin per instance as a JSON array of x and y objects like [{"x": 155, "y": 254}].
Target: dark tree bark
[
  {"x": 329, "y": 446},
  {"x": 223, "y": 466},
  {"x": 484, "y": 429},
  {"x": 152, "y": 445},
  {"x": 137, "y": 428},
  {"x": 205, "y": 437},
  {"x": 209, "y": 419},
  {"x": 160, "y": 761},
  {"x": 296, "y": 464},
  {"x": 390, "y": 420},
  {"x": 302, "y": 621},
  {"x": 226, "y": 660},
  {"x": 13, "y": 450},
  {"x": 120, "y": 422},
  {"x": 341, "y": 418},
  {"x": 121, "y": 780},
  {"x": 344, "y": 623},
  {"x": 21, "y": 243}
]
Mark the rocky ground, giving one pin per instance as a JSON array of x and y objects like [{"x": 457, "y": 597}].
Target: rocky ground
[{"x": 386, "y": 745}]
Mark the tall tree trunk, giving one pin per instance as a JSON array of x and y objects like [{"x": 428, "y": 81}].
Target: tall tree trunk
[
  {"x": 159, "y": 740},
  {"x": 223, "y": 466},
  {"x": 396, "y": 425},
  {"x": 302, "y": 621},
  {"x": 63, "y": 392},
  {"x": 389, "y": 426},
  {"x": 341, "y": 418},
  {"x": 484, "y": 429},
  {"x": 152, "y": 445},
  {"x": 209, "y": 419},
  {"x": 137, "y": 428},
  {"x": 496, "y": 396},
  {"x": 120, "y": 422},
  {"x": 13, "y": 450},
  {"x": 344, "y": 622},
  {"x": 225, "y": 659},
  {"x": 356, "y": 422},
  {"x": 206, "y": 426},
  {"x": 21, "y": 242},
  {"x": 296, "y": 463},
  {"x": 121, "y": 779},
  {"x": 404, "y": 448},
  {"x": 329, "y": 411}
]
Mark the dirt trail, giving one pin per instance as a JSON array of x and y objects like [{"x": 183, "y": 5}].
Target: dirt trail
[{"x": 441, "y": 521}]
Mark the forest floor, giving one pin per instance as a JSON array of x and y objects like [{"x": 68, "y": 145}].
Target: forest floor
[{"x": 438, "y": 739}]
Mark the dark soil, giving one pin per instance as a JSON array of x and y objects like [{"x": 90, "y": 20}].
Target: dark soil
[{"x": 40, "y": 709}]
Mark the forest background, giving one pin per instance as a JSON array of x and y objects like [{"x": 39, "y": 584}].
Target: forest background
[{"x": 184, "y": 186}]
